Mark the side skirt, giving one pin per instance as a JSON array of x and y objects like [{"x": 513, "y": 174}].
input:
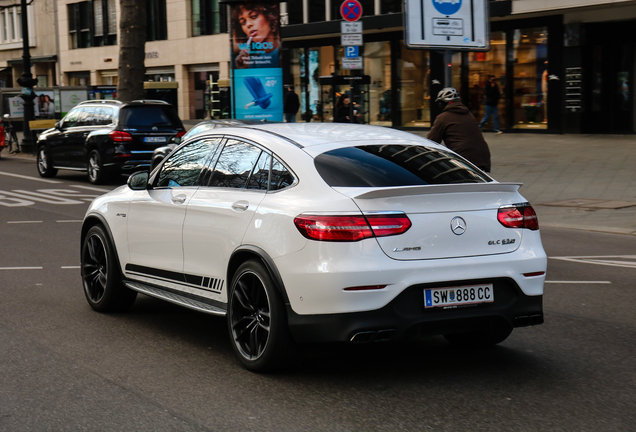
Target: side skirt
[{"x": 177, "y": 298}]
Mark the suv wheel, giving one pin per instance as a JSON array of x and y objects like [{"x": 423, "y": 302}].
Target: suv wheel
[
  {"x": 45, "y": 167},
  {"x": 257, "y": 320},
  {"x": 96, "y": 173}
]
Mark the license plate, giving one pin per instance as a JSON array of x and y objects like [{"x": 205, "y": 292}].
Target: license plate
[
  {"x": 158, "y": 139},
  {"x": 458, "y": 296}
]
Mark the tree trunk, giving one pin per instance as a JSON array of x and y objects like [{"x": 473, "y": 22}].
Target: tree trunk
[{"x": 132, "y": 49}]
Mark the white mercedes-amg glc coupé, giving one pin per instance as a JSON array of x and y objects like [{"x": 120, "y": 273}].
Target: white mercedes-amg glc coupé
[{"x": 307, "y": 232}]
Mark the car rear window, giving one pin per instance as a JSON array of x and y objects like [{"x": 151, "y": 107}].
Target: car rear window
[
  {"x": 148, "y": 116},
  {"x": 394, "y": 165}
]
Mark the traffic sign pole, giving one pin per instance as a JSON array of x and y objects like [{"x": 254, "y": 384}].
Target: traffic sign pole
[{"x": 351, "y": 39}]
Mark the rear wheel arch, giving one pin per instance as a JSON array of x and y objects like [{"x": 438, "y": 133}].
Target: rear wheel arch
[{"x": 247, "y": 252}]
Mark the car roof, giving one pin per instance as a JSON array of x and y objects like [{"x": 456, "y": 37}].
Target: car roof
[{"x": 314, "y": 134}]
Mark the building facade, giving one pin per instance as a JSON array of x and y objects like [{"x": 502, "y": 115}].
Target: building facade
[{"x": 563, "y": 66}]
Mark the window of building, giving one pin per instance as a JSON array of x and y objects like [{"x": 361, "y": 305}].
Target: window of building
[
  {"x": 105, "y": 16},
  {"x": 414, "y": 68},
  {"x": 208, "y": 18},
  {"x": 157, "y": 24},
  {"x": 294, "y": 12},
  {"x": 92, "y": 23},
  {"x": 390, "y": 6},
  {"x": 530, "y": 48}
]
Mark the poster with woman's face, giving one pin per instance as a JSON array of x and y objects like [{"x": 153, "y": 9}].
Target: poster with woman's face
[
  {"x": 257, "y": 85},
  {"x": 256, "y": 35}
]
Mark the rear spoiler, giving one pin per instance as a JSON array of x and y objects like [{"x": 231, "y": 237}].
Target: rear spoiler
[{"x": 373, "y": 193}]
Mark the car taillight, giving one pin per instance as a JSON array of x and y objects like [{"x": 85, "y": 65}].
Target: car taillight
[
  {"x": 119, "y": 136},
  {"x": 518, "y": 216},
  {"x": 350, "y": 228},
  {"x": 180, "y": 134}
]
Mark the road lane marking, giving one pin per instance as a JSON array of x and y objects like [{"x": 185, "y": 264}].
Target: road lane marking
[
  {"x": 23, "y": 222},
  {"x": 91, "y": 188},
  {"x": 30, "y": 178},
  {"x": 606, "y": 260},
  {"x": 21, "y": 268},
  {"x": 69, "y": 221},
  {"x": 578, "y": 282},
  {"x": 71, "y": 267}
]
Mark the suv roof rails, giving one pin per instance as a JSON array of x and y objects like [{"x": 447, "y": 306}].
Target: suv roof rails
[
  {"x": 100, "y": 101},
  {"x": 150, "y": 101}
]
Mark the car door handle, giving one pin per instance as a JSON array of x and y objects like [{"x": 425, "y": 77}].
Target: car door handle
[
  {"x": 240, "y": 206},
  {"x": 179, "y": 199}
]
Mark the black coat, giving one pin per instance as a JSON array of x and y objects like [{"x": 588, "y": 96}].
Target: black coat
[
  {"x": 491, "y": 94},
  {"x": 291, "y": 103}
]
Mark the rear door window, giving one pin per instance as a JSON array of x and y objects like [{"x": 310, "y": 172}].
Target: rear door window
[
  {"x": 395, "y": 165},
  {"x": 235, "y": 164}
]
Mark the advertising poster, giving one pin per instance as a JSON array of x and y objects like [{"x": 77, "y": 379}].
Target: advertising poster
[{"x": 256, "y": 60}]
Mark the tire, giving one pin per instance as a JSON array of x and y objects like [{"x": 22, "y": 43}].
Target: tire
[
  {"x": 43, "y": 163},
  {"x": 101, "y": 277},
  {"x": 496, "y": 333},
  {"x": 257, "y": 320},
  {"x": 95, "y": 167}
]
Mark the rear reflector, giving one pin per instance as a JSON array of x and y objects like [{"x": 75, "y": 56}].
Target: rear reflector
[
  {"x": 539, "y": 273},
  {"x": 518, "y": 216},
  {"x": 351, "y": 228}
]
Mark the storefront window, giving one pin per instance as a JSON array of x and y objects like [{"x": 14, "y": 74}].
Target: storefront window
[
  {"x": 377, "y": 64},
  {"x": 530, "y": 49},
  {"x": 480, "y": 66},
  {"x": 415, "y": 99},
  {"x": 207, "y": 104},
  {"x": 318, "y": 63}
]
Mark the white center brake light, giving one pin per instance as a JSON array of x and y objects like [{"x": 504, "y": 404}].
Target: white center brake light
[{"x": 351, "y": 228}]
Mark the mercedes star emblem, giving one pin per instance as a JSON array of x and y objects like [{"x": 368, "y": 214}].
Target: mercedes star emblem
[{"x": 458, "y": 225}]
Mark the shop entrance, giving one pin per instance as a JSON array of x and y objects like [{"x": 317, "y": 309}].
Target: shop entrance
[
  {"x": 334, "y": 87},
  {"x": 610, "y": 93}
]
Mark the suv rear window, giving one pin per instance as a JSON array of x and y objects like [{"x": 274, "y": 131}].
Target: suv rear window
[
  {"x": 148, "y": 116},
  {"x": 394, "y": 165}
]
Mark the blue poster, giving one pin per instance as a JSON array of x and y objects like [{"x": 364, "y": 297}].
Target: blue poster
[{"x": 258, "y": 94}]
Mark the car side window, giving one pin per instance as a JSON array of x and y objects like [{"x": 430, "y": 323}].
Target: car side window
[
  {"x": 280, "y": 177},
  {"x": 70, "y": 119},
  {"x": 260, "y": 174},
  {"x": 184, "y": 167},
  {"x": 102, "y": 116},
  {"x": 235, "y": 164},
  {"x": 85, "y": 116}
]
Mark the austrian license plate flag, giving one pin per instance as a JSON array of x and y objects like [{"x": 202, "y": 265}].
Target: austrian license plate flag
[{"x": 458, "y": 296}]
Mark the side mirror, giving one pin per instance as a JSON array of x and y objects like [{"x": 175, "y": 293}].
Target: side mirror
[{"x": 138, "y": 180}]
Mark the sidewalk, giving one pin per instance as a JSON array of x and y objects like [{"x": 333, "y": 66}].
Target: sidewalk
[{"x": 585, "y": 182}]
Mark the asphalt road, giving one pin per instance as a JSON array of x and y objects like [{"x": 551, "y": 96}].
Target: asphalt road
[{"x": 158, "y": 367}]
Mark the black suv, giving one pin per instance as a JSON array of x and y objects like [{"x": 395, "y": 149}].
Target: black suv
[{"x": 105, "y": 137}]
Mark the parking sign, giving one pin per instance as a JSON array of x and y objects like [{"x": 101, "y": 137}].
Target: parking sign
[{"x": 461, "y": 25}]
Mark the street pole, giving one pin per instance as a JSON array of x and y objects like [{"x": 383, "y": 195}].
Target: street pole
[
  {"x": 27, "y": 82},
  {"x": 448, "y": 68}
]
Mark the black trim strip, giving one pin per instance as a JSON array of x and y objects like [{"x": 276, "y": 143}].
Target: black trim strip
[{"x": 187, "y": 280}]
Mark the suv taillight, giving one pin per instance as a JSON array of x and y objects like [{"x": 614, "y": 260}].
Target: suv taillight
[
  {"x": 119, "y": 136},
  {"x": 351, "y": 228},
  {"x": 180, "y": 134},
  {"x": 518, "y": 216}
]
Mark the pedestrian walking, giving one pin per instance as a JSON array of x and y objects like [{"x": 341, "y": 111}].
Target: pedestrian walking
[
  {"x": 291, "y": 105},
  {"x": 491, "y": 100},
  {"x": 458, "y": 129}
]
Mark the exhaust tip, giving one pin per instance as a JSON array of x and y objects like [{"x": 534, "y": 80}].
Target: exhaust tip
[
  {"x": 363, "y": 337},
  {"x": 384, "y": 335}
]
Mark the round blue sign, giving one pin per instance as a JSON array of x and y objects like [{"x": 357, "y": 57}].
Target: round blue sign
[{"x": 447, "y": 7}]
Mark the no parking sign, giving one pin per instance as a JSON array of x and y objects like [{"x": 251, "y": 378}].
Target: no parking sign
[{"x": 351, "y": 10}]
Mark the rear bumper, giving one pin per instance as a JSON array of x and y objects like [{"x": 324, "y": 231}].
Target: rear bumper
[
  {"x": 405, "y": 317},
  {"x": 137, "y": 161}
]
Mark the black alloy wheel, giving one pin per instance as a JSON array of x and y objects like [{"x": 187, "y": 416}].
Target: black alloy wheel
[
  {"x": 257, "y": 320},
  {"x": 43, "y": 162},
  {"x": 101, "y": 277}
]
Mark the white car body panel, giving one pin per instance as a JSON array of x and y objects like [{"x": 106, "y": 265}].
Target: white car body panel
[{"x": 213, "y": 228}]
